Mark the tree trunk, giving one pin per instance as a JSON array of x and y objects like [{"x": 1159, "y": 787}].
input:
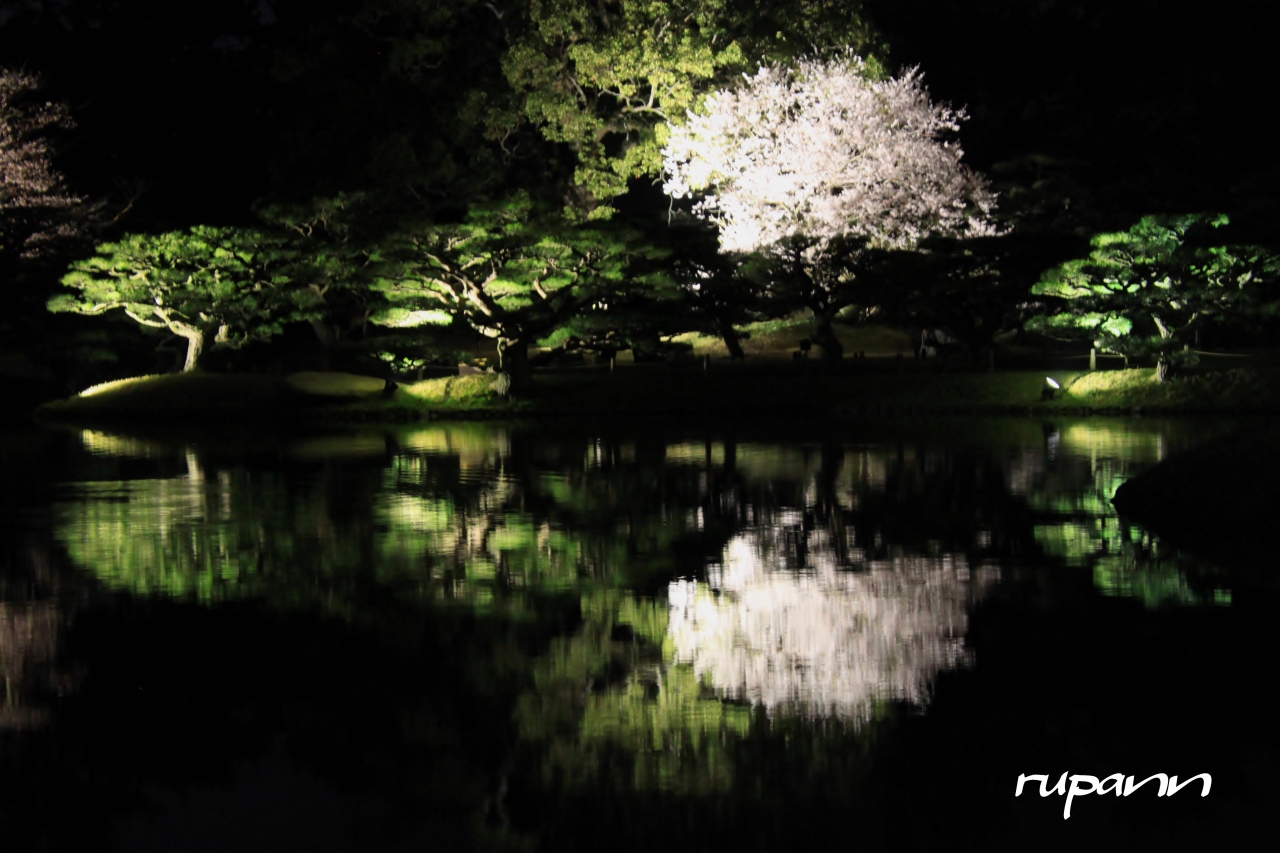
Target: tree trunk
[
  {"x": 327, "y": 335},
  {"x": 195, "y": 345},
  {"x": 513, "y": 360},
  {"x": 1164, "y": 369},
  {"x": 825, "y": 337},
  {"x": 732, "y": 342}
]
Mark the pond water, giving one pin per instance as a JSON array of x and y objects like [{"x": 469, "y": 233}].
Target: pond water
[{"x": 575, "y": 636}]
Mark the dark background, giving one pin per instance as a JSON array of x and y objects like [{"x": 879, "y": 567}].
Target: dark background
[{"x": 1088, "y": 109}]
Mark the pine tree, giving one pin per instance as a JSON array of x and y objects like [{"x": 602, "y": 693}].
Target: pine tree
[{"x": 209, "y": 286}]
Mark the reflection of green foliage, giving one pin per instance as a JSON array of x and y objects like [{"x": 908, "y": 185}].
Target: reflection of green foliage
[
  {"x": 1097, "y": 437},
  {"x": 1123, "y": 562},
  {"x": 605, "y": 702},
  {"x": 535, "y": 558},
  {"x": 211, "y": 541},
  {"x": 404, "y": 513},
  {"x": 771, "y": 462},
  {"x": 1088, "y": 494},
  {"x": 1093, "y": 458},
  {"x": 1155, "y": 583},
  {"x": 589, "y": 531},
  {"x": 677, "y": 738},
  {"x": 471, "y": 441},
  {"x": 1074, "y": 543},
  {"x": 516, "y": 533},
  {"x": 649, "y": 620},
  {"x": 621, "y": 529}
]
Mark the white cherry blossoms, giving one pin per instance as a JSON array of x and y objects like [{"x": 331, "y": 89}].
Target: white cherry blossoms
[{"x": 822, "y": 150}]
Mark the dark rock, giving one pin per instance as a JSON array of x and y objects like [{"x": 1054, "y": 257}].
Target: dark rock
[{"x": 1219, "y": 501}]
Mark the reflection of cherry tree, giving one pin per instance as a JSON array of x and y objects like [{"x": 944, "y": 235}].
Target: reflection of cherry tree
[
  {"x": 28, "y": 643},
  {"x": 823, "y": 640}
]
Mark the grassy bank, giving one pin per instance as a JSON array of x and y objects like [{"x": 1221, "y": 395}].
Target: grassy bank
[
  {"x": 774, "y": 388},
  {"x": 311, "y": 397},
  {"x": 1241, "y": 389},
  {"x": 865, "y": 387}
]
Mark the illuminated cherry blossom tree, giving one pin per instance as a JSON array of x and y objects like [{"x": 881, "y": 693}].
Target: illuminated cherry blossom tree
[{"x": 820, "y": 163}]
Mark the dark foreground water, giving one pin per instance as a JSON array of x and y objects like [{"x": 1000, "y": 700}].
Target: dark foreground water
[{"x": 620, "y": 637}]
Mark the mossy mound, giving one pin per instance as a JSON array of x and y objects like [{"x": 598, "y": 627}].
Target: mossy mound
[
  {"x": 251, "y": 398},
  {"x": 477, "y": 390},
  {"x": 212, "y": 396},
  {"x": 1237, "y": 389},
  {"x": 186, "y": 392}
]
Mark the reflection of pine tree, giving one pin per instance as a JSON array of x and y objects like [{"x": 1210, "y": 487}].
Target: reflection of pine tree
[
  {"x": 823, "y": 640},
  {"x": 605, "y": 702}
]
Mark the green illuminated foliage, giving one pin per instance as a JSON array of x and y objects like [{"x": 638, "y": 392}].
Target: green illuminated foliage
[
  {"x": 333, "y": 258},
  {"x": 210, "y": 286},
  {"x": 1144, "y": 292},
  {"x": 599, "y": 82},
  {"x": 586, "y": 76},
  {"x": 510, "y": 272}
]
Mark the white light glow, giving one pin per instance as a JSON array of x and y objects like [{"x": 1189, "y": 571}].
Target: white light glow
[{"x": 824, "y": 150}]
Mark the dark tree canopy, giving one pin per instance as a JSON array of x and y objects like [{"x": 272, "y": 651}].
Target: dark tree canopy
[{"x": 37, "y": 209}]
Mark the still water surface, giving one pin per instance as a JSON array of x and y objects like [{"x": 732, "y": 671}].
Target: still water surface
[{"x": 564, "y": 637}]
